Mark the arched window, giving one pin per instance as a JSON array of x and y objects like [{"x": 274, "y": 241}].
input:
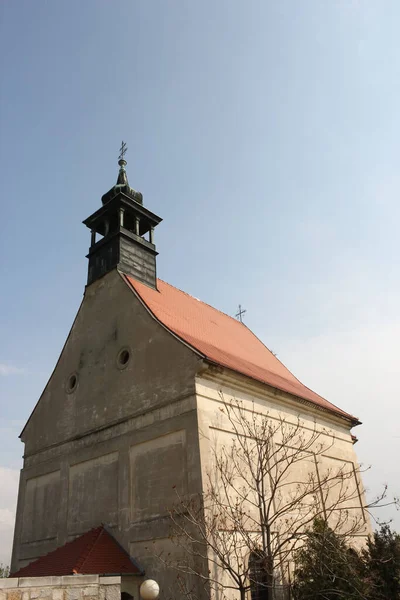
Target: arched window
[{"x": 258, "y": 578}]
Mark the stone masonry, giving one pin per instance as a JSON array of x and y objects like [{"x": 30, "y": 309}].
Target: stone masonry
[{"x": 71, "y": 587}]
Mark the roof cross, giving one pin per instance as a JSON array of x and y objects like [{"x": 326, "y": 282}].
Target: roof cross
[
  {"x": 122, "y": 151},
  {"x": 240, "y": 313}
]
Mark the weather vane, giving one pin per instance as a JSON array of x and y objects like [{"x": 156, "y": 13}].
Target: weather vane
[
  {"x": 240, "y": 313},
  {"x": 122, "y": 151}
]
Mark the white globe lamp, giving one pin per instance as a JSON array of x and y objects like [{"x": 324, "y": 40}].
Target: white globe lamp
[{"x": 149, "y": 590}]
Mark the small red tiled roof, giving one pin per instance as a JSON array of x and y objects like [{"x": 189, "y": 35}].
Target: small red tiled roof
[
  {"x": 223, "y": 340},
  {"x": 95, "y": 552}
]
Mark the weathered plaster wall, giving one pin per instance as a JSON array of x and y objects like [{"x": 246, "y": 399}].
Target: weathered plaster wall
[
  {"x": 72, "y": 587},
  {"x": 110, "y": 318},
  {"x": 120, "y": 447},
  {"x": 216, "y": 386}
]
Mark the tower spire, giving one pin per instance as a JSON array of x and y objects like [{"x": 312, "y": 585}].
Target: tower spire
[
  {"x": 122, "y": 176},
  {"x": 126, "y": 230}
]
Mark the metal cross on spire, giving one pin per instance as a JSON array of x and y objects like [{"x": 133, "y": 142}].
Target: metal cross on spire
[
  {"x": 122, "y": 151},
  {"x": 122, "y": 177},
  {"x": 240, "y": 313}
]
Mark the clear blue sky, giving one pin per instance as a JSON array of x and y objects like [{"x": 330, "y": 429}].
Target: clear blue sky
[{"x": 266, "y": 134}]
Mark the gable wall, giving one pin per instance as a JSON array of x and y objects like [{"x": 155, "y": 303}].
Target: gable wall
[
  {"x": 120, "y": 447},
  {"x": 110, "y": 318}
]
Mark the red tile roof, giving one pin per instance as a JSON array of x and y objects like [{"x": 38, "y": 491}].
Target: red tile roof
[
  {"x": 95, "y": 552},
  {"x": 223, "y": 340}
]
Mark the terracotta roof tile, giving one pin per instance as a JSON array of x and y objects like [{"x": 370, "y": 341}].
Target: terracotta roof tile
[
  {"x": 95, "y": 552},
  {"x": 223, "y": 340}
]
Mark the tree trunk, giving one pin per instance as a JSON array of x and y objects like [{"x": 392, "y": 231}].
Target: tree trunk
[{"x": 269, "y": 571}]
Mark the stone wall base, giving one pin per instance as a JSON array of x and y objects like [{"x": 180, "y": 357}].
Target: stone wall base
[{"x": 71, "y": 587}]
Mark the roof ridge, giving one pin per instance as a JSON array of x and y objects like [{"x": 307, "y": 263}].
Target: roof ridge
[
  {"x": 88, "y": 549},
  {"x": 91, "y": 553},
  {"x": 41, "y": 558},
  {"x": 279, "y": 360},
  {"x": 250, "y": 356},
  {"x": 120, "y": 546},
  {"x": 241, "y": 323},
  {"x": 202, "y": 301}
]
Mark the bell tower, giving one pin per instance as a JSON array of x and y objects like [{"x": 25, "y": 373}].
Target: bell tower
[{"x": 122, "y": 233}]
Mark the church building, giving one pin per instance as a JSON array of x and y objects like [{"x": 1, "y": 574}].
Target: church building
[{"x": 124, "y": 423}]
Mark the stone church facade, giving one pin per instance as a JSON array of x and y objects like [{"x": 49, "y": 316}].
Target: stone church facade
[{"x": 126, "y": 418}]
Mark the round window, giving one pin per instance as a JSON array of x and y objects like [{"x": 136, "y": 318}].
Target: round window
[
  {"x": 123, "y": 358},
  {"x": 72, "y": 383}
]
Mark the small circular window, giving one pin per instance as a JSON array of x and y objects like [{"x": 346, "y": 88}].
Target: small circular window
[
  {"x": 71, "y": 383},
  {"x": 123, "y": 358}
]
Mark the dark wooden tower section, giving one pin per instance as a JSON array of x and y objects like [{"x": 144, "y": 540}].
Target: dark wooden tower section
[{"x": 126, "y": 228}]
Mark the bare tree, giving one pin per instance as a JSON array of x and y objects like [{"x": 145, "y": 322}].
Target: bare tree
[{"x": 269, "y": 479}]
